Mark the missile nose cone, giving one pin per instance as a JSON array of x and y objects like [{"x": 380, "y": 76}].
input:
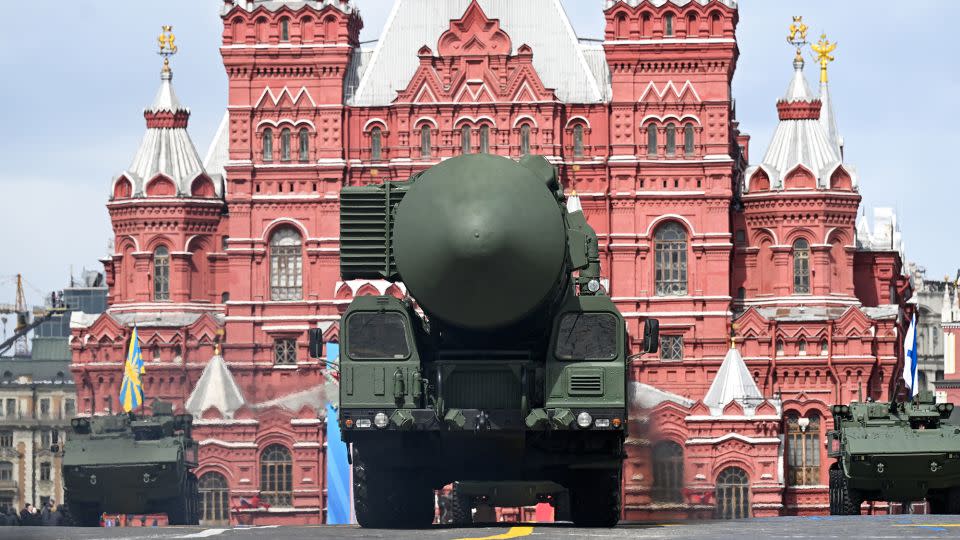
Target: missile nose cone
[{"x": 479, "y": 241}]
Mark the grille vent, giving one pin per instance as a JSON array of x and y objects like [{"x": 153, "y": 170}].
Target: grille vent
[
  {"x": 583, "y": 382},
  {"x": 366, "y": 230}
]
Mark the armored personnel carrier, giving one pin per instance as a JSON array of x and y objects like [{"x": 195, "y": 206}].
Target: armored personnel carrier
[
  {"x": 132, "y": 464},
  {"x": 504, "y": 368},
  {"x": 900, "y": 452}
]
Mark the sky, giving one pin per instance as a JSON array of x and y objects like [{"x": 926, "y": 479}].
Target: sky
[{"x": 73, "y": 90}]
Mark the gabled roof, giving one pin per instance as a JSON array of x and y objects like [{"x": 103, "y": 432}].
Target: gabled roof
[
  {"x": 557, "y": 54},
  {"x": 216, "y": 388},
  {"x": 733, "y": 382}
]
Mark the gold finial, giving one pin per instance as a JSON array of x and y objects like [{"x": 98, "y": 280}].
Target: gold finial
[
  {"x": 733, "y": 335},
  {"x": 798, "y": 36},
  {"x": 168, "y": 46},
  {"x": 823, "y": 48}
]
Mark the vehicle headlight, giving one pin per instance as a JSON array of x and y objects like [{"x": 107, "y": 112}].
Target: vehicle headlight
[
  {"x": 584, "y": 419},
  {"x": 363, "y": 422},
  {"x": 380, "y": 420},
  {"x": 593, "y": 285},
  {"x": 602, "y": 422}
]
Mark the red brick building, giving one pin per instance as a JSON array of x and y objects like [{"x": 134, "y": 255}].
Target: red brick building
[{"x": 242, "y": 248}]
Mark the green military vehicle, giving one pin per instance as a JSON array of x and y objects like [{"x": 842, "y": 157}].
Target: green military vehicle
[
  {"x": 132, "y": 464},
  {"x": 899, "y": 452},
  {"x": 503, "y": 370}
]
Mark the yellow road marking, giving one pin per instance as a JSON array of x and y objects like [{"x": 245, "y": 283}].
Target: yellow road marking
[
  {"x": 514, "y": 532},
  {"x": 930, "y": 525}
]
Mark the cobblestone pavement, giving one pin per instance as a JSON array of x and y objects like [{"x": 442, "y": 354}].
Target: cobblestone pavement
[{"x": 893, "y": 527}]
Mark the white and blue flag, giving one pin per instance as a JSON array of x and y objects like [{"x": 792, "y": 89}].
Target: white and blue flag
[{"x": 910, "y": 357}]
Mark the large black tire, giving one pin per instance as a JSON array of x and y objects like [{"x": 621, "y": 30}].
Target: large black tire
[
  {"x": 595, "y": 499},
  {"x": 385, "y": 498},
  {"x": 461, "y": 507},
  {"x": 952, "y": 501},
  {"x": 844, "y": 500},
  {"x": 561, "y": 506}
]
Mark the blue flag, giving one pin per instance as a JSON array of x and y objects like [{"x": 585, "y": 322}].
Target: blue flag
[
  {"x": 131, "y": 389},
  {"x": 910, "y": 357},
  {"x": 338, "y": 468}
]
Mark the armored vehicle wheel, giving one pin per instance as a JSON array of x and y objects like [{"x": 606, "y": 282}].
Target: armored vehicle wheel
[
  {"x": 595, "y": 499},
  {"x": 462, "y": 507},
  {"x": 844, "y": 500},
  {"x": 385, "y": 498},
  {"x": 561, "y": 506}
]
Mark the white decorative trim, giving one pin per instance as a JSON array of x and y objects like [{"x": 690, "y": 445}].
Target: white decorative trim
[
  {"x": 307, "y": 445},
  {"x": 737, "y": 436},
  {"x": 473, "y": 120},
  {"x": 306, "y": 422},
  {"x": 669, "y": 41},
  {"x": 286, "y": 328},
  {"x": 277, "y": 97},
  {"x": 227, "y": 444},
  {"x": 578, "y": 118},
  {"x": 731, "y": 418},
  {"x": 366, "y": 126},
  {"x": 522, "y": 117}
]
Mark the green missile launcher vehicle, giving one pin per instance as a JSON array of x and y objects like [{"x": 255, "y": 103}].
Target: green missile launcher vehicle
[
  {"x": 132, "y": 464},
  {"x": 504, "y": 369},
  {"x": 899, "y": 452}
]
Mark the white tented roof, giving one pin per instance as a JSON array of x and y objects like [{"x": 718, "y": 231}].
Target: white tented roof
[
  {"x": 166, "y": 151},
  {"x": 216, "y": 388},
  {"x": 733, "y": 382},
  {"x": 542, "y": 24}
]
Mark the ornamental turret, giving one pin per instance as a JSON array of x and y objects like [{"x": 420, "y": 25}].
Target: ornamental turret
[
  {"x": 796, "y": 235},
  {"x": 165, "y": 211}
]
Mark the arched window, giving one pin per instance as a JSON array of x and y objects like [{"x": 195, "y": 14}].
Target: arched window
[
  {"x": 376, "y": 144},
  {"x": 525, "y": 139},
  {"x": 621, "y": 25},
  {"x": 276, "y": 476},
  {"x": 691, "y": 24},
  {"x": 667, "y": 472},
  {"x": 578, "y": 140},
  {"x": 670, "y": 264},
  {"x": 286, "y": 265},
  {"x": 285, "y": 144},
  {"x": 801, "y": 267},
  {"x": 651, "y": 140},
  {"x": 284, "y": 29},
  {"x": 465, "y": 143},
  {"x": 688, "y": 139},
  {"x": 802, "y": 347},
  {"x": 304, "y": 145},
  {"x": 779, "y": 347},
  {"x": 733, "y": 494},
  {"x": 668, "y": 25},
  {"x": 268, "y": 144},
  {"x": 671, "y": 139},
  {"x": 425, "y": 144},
  {"x": 484, "y": 139},
  {"x": 825, "y": 347},
  {"x": 803, "y": 450},
  {"x": 330, "y": 28},
  {"x": 214, "y": 499},
  {"x": 161, "y": 274}
]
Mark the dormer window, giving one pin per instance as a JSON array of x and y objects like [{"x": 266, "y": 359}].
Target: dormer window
[{"x": 284, "y": 29}]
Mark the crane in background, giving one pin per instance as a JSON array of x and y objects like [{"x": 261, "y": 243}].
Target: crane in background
[{"x": 26, "y": 320}]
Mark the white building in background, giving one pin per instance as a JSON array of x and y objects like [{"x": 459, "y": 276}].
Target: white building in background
[
  {"x": 37, "y": 400},
  {"x": 934, "y": 299}
]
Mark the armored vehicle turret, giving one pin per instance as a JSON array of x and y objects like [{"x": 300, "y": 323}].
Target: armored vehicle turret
[
  {"x": 900, "y": 452},
  {"x": 132, "y": 464},
  {"x": 503, "y": 369}
]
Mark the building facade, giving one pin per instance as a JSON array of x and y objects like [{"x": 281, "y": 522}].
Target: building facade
[
  {"x": 948, "y": 386},
  {"x": 238, "y": 253},
  {"x": 931, "y": 297},
  {"x": 37, "y": 401}
]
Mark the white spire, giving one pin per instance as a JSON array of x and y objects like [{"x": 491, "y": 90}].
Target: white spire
[
  {"x": 733, "y": 383},
  {"x": 829, "y": 120},
  {"x": 798, "y": 90},
  {"x": 216, "y": 388},
  {"x": 166, "y": 99}
]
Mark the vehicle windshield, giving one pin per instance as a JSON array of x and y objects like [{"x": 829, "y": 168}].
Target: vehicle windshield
[
  {"x": 377, "y": 336},
  {"x": 587, "y": 336}
]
